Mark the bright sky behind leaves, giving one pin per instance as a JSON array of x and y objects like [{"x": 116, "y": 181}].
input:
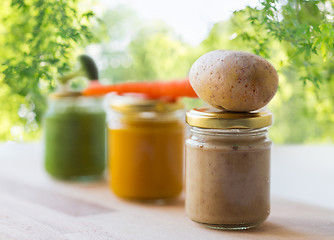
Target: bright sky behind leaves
[{"x": 191, "y": 19}]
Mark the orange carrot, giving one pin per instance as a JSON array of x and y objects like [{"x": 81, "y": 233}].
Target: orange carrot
[{"x": 171, "y": 89}]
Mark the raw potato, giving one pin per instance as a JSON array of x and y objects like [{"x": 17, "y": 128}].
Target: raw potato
[{"x": 233, "y": 80}]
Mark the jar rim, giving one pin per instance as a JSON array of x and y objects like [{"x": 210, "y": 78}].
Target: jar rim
[
  {"x": 209, "y": 117},
  {"x": 65, "y": 94},
  {"x": 140, "y": 104},
  {"x": 71, "y": 95}
]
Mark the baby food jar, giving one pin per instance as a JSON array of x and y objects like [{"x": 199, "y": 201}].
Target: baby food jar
[
  {"x": 228, "y": 168},
  {"x": 74, "y": 137},
  {"x": 146, "y": 148}
]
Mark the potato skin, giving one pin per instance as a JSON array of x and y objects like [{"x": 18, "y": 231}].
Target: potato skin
[{"x": 234, "y": 80}]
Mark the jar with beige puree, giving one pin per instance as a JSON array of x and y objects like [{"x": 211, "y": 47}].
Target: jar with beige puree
[{"x": 228, "y": 168}]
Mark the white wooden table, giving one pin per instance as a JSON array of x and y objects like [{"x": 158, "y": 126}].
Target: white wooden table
[{"x": 33, "y": 206}]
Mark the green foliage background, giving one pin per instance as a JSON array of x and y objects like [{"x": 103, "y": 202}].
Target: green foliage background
[
  {"x": 38, "y": 40},
  {"x": 41, "y": 38}
]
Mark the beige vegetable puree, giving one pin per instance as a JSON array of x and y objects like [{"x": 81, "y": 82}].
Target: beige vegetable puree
[{"x": 228, "y": 180}]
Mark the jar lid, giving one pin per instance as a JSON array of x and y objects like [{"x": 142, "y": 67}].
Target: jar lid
[
  {"x": 209, "y": 117},
  {"x": 65, "y": 94},
  {"x": 137, "y": 104},
  {"x": 71, "y": 94}
]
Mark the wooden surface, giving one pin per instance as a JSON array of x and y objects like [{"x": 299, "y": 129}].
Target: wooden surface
[{"x": 33, "y": 206}]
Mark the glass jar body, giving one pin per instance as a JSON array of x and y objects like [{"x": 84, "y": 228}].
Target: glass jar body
[
  {"x": 146, "y": 154},
  {"x": 228, "y": 177},
  {"x": 74, "y": 138}
]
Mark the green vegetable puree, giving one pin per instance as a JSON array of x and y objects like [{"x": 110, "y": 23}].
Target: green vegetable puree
[{"x": 75, "y": 144}]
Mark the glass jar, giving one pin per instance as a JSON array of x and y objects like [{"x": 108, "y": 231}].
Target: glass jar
[
  {"x": 146, "y": 148},
  {"x": 74, "y": 137},
  {"x": 228, "y": 168}
]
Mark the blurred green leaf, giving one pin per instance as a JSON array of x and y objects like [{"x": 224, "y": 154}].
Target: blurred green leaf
[{"x": 39, "y": 40}]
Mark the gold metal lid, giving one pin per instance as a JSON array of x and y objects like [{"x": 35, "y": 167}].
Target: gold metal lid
[
  {"x": 136, "y": 104},
  {"x": 65, "y": 94},
  {"x": 209, "y": 117}
]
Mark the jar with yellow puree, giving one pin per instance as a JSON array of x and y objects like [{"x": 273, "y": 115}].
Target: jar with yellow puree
[
  {"x": 228, "y": 168},
  {"x": 146, "y": 148}
]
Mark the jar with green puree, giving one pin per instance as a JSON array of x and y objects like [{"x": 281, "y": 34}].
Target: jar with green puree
[{"x": 74, "y": 137}]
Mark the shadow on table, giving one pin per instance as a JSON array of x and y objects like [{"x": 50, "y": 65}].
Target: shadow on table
[
  {"x": 170, "y": 202},
  {"x": 274, "y": 229},
  {"x": 267, "y": 229},
  {"x": 292, "y": 220}
]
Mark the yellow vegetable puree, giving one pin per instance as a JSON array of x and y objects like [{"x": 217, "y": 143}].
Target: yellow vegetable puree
[{"x": 146, "y": 157}]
